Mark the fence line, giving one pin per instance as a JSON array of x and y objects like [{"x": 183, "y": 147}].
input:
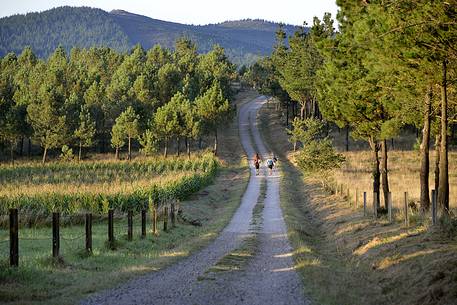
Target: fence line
[
  {"x": 114, "y": 231},
  {"x": 391, "y": 207}
]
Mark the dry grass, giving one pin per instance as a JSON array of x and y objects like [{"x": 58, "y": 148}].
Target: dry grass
[
  {"x": 404, "y": 170},
  {"x": 344, "y": 257}
]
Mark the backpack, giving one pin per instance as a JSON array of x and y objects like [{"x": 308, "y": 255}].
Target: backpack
[{"x": 270, "y": 162}]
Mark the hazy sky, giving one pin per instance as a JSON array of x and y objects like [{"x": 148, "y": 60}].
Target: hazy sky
[{"x": 192, "y": 11}]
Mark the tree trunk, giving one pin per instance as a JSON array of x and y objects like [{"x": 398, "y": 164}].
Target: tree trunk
[
  {"x": 29, "y": 148},
  {"x": 443, "y": 189},
  {"x": 188, "y": 147},
  {"x": 129, "y": 157},
  {"x": 80, "y": 149},
  {"x": 384, "y": 173},
  {"x": 12, "y": 152},
  {"x": 21, "y": 150},
  {"x": 303, "y": 111},
  {"x": 178, "y": 150},
  {"x": 287, "y": 113},
  {"x": 437, "y": 161},
  {"x": 117, "y": 153},
  {"x": 165, "y": 151},
  {"x": 376, "y": 174},
  {"x": 200, "y": 143},
  {"x": 295, "y": 145},
  {"x": 44, "y": 155},
  {"x": 347, "y": 138},
  {"x": 313, "y": 108},
  {"x": 215, "y": 142},
  {"x": 424, "y": 152}
]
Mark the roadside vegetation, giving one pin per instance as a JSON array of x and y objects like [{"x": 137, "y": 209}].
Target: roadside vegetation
[
  {"x": 388, "y": 69},
  {"x": 345, "y": 257},
  {"x": 203, "y": 212},
  {"x": 382, "y": 88}
]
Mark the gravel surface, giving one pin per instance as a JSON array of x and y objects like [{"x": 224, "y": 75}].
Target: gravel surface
[{"x": 267, "y": 278}]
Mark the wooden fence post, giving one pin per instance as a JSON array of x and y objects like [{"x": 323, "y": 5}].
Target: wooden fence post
[
  {"x": 406, "y": 210},
  {"x": 364, "y": 203},
  {"x": 14, "y": 238},
  {"x": 434, "y": 207},
  {"x": 389, "y": 206},
  {"x": 89, "y": 233},
  {"x": 55, "y": 234},
  {"x": 130, "y": 225},
  {"x": 111, "y": 228},
  {"x": 154, "y": 220},
  {"x": 143, "y": 223},
  {"x": 165, "y": 218},
  {"x": 375, "y": 205}
]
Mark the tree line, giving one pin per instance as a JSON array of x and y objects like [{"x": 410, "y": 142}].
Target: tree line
[
  {"x": 100, "y": 97},
  {"x": 391, "y": 65}
]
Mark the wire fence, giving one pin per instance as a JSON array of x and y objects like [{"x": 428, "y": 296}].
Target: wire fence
[
  {"x": 70, "y": 233},
  {"x": 399, "y": 210}
]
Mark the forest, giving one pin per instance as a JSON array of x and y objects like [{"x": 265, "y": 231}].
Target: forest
[
  {"x": 389, "y": 68},
  {"x": 101, "y": 99}
]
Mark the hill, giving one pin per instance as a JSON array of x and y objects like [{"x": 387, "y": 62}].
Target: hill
[{"x": 243, "y": 40}]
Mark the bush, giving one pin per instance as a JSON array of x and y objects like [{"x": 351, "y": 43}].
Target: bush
[
  {"x": 67, "y": 154},
  {"x": 149, "y": 143},
  {"x": 317, "y": 156}
]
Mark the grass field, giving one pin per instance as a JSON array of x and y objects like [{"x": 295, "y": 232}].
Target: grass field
[
  {"x": 404, "y": 170},
  {"x": 43, "y": 280}
]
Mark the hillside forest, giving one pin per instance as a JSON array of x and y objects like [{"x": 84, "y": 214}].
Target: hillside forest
[
  {"x": 390, "y": 68},
  {"x": 244, "y": 41},
  {"x": 106, "y": 100}
]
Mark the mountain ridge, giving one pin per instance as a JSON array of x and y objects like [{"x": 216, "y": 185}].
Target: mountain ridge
[{"x": 244, "y": 40}]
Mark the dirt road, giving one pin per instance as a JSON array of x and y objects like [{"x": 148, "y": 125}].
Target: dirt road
[{"x": 265, "y": 277}]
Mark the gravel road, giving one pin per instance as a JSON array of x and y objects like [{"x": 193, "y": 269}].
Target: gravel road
[{"x": 267, "y": 278}]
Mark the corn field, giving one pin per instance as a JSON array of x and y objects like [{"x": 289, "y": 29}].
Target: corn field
[{"x": 95, "y": 187}]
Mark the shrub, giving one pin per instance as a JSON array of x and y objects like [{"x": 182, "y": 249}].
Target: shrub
[
  {"x": 317, "y": 154},
  {"x": 67, "y": 154}
]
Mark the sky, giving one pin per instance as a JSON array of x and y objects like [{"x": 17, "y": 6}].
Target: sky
[{"x": 192, "y": 11}]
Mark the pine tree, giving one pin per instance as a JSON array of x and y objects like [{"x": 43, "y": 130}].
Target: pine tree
[
  {"x": 126, "y": 126},
  {"x": 214, "y": 110},
  {"x": 86, "y": 130}
]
